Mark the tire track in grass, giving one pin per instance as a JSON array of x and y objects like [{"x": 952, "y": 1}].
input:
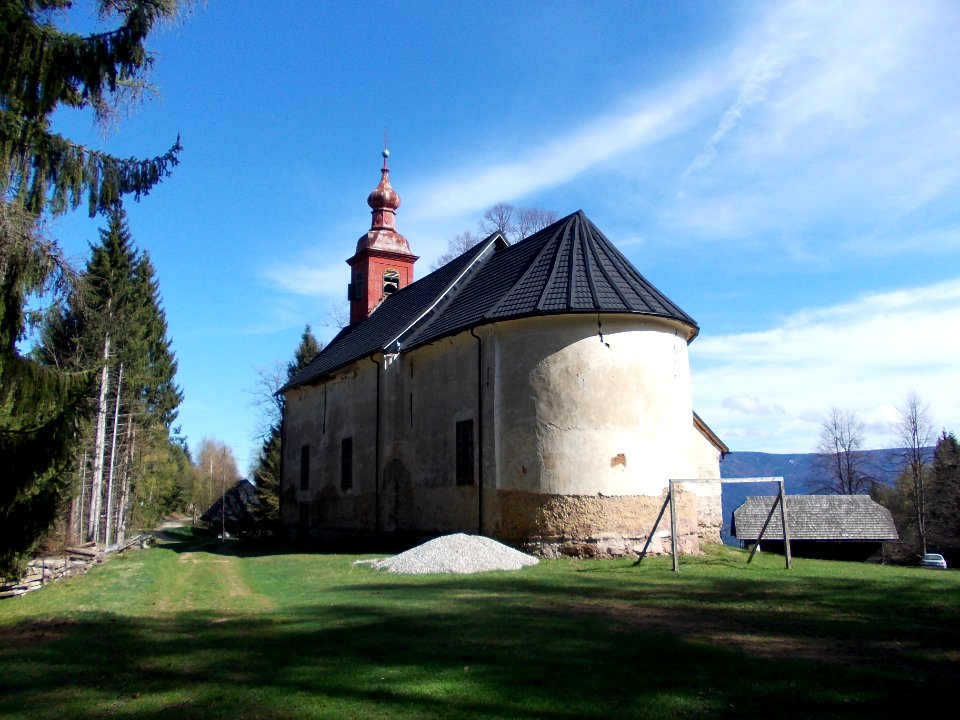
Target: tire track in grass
[{"x": 211, "y": 582}]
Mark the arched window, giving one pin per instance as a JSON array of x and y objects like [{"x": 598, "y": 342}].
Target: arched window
[{"x": 391, "y": 281}]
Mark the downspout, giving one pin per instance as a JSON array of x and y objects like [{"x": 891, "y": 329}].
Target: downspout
[
  {"x": 479, "y": 430},
  {"x": 376, "y": 454}
]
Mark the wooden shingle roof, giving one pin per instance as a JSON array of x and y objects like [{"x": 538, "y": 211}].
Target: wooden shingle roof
[
  {"x": 816, "y": 517},
  {"x": 568, "y": 267}
]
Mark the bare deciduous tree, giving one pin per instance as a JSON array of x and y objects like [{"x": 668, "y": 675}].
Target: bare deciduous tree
[
  {"x": 216, "y": 473},
  {"x": 513, "y": 223},
  {"x": 914, "y": 431},
  {"x": 338, "y": 316},
  {"x": 269, "y": 405},
  {"x": 530, "y": 220},
  {"x": 457, "y": 245},
  {"x": 501, "y": 218},
  {"x": 841, "y": 459}
]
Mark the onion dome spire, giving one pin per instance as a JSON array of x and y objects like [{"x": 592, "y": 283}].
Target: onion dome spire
[{"x": 383, "y": 202}]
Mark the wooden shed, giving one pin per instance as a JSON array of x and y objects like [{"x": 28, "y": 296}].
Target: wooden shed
[{"x": 834, "y": 527}]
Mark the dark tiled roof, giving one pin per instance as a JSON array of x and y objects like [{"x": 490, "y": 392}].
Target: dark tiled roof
[
  {"x": 241, "y": 502},
  {"x": 816, "y": 517},
  {"x": 568, "y": 267}
]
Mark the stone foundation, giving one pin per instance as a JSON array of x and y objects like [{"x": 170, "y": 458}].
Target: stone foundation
[{"x": 595, "y": 526}]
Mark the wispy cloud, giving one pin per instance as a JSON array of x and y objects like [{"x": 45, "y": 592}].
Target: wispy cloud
[
  {"x": 310, "y": 276},
  {"x": 864, "y": 355},
  {"x": 751, "y": 406},
  {"x": 765, "y": 69},
  {"x": 816, "y": 115},
  {"x": 558, "y": 161},
  {"x": 842, "y": 115}
]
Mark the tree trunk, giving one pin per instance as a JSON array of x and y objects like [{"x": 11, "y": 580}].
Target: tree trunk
[
  {"x": 113, "y": 456},
  {"x": 122, "y": 515},
  {"x": 96, "y": 482},
  {"x": 75, "y": 525}
]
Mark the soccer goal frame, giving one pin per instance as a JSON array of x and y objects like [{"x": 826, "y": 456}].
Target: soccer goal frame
[{"x": 781, "y": 501}]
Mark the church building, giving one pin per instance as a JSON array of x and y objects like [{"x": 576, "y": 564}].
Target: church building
[{"x": 536, "y": 392}]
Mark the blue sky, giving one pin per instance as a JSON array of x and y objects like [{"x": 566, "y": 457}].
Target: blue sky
[{"x": 788, "y": 173}]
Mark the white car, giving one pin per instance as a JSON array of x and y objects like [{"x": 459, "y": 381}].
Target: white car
[{"x": 933, "y": 560}]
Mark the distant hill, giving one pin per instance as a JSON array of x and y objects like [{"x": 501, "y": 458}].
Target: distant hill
[{"x": 799, "y": 472}]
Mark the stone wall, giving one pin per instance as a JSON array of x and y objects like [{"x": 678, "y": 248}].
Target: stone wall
[{"x": 594, "y": 525}]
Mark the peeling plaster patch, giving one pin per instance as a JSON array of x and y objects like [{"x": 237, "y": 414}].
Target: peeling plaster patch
[{"x": 620, "y": 460}]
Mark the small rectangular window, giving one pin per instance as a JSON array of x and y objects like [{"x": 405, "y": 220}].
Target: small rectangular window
[
  {"x": 465, "y": 452},
  {"x": 305, "y": 467},
  {"x": 346, "y": 463}
]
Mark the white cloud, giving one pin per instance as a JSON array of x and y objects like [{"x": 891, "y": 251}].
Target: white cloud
[
  {"x": 751, "y": 406},
  {"x": 840, "y": 114},
  {"x": 820, "y": 115},
  {"x": 864, "y": 355},
  {"x": 310, "y": 276},
  {"x": 558, "y": 161}
]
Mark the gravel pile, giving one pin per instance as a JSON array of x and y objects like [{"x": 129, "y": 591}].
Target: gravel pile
[{"x": 457, "y": 553}]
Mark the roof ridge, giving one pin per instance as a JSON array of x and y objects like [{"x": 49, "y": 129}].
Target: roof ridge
[
  {"x": 626, "y": 266},
  {"x": 571, "y": 261},
  {"x": 594, "y": 250},
  {"x": 554, "y": 265},
  {"x": 591, "y": 281},
  {"x": 447, "y": 295},
  {"x": 540, "y": 234}
]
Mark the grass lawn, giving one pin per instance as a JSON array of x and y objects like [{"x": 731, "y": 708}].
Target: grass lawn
[{"x": 198, "y": 629}]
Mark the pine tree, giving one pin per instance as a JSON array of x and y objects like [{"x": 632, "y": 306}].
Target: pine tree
[
  {"x": 116, "y": 321},
  {"x": 944, "y": 496},
  {"x": 41, "y": 69},
  {"x": 267, "y": 471},
  {"x": 40, "y": 407}
]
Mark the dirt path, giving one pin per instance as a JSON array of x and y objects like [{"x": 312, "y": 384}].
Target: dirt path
[{"x": 208, "y": 580}]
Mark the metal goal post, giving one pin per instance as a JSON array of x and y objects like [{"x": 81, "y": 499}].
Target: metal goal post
[{"x": 781, "y": 501}]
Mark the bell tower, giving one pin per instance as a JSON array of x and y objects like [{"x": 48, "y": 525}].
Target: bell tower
[{"x": 383, "y": 262}]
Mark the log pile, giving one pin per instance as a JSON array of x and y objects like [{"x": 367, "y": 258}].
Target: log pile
[{"x": 75, "y": 561}]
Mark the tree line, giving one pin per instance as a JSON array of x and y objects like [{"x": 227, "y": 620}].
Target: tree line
[
  {"x": 925, "y": 499},
  {"x": 85, "y": 415}
]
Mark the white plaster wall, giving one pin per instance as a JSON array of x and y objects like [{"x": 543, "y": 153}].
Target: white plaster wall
[
  {"x": 425, "y": 393},
  {"x": 321, "y": 416},
  {"x": 581, "y": 415},
  {"x": 705, "y": 459},
  {"x": 564, "y": 414}
]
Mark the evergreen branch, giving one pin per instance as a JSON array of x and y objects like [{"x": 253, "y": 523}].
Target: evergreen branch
[
  {"x": 46, "y": 66},
  {"x": 47, "y": 171}
]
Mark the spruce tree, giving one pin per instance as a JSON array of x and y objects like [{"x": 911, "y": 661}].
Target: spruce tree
[
  {"x": 43, "y": 68},
  {"x": 267, "y": 471},
  {"x": 39, "y": 406},
  {"x": 115, "y": 321},
  {"x": 944, "y": 497}
]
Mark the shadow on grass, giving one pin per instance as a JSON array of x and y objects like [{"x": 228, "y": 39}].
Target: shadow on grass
[
  {"x": 200, "y": 539},
  {"x": 563, "y": 646}
]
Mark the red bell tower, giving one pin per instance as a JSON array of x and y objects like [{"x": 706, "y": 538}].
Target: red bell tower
[{"x": 383, "y": 262}]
